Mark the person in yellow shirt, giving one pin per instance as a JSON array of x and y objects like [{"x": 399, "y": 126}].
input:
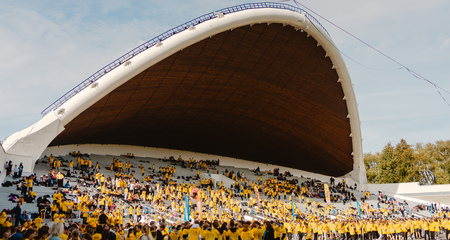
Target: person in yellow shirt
[
  {"x": 63, "y": 206},
  {"x": 30, "y": 184},
  {"x": 71, "y": 166},
  {"x": 8, "y": 222},
  {"x": 131, "y": 234},
  {"x": 282, "y": 231},
  {"x": 207, "y": 232},
  {"x": 233, "y": 232},
  {"x": 138, "y": 213},
  {"x": 51, "y": 160},
  {"x": 416, "y": 226},
  {"x": 130, "y": 211},
  {"x": 2, "y": 218},
  {"x": 64, "y": 235},
  {"x": 258, "y": 231},
  {"x": 38, "y": 222},
  {"x": 434, "y": 228},
  {"x": 70, "y": 206},
  {"x": 26, "y": 224},
  {"x": 175, "y": 234},
  {"x": 58, "y": 165},
  {"x": 194, "y": 232},
  {"x": 139, "y": 232},
  {"x": 62, "y": 217},
  {"x": 60, "y": 178},
  {"x": 55, "y": 210},
  {"x": 84, "y": 213},
  {"x": 127, "y": 167},
  {"x": 426, "y": 227},
  {"x": 246, "y": 234},
  {"x": 98, "y": 233}
]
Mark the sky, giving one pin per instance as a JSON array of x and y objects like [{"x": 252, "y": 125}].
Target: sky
[{"x": 48, "y": 47}]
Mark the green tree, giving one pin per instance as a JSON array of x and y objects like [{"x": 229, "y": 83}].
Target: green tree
[
  {"x": 425, "y": 163},
  {"x": 387, "y": 171},
  {"x": 404, "y": 161},
  {"x": 372, "y": 163}
]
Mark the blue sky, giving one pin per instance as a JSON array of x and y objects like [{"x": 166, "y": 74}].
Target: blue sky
[{"x": 48, "y": 47}]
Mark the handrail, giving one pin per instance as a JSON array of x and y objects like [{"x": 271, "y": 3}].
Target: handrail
[{"x": 127, "y": 56}]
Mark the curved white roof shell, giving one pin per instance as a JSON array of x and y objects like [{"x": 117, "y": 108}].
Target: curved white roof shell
[{"x": 30, "y": 143}]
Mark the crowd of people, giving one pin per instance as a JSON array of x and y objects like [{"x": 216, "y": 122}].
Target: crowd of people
[{"x": 157, "y": 203}]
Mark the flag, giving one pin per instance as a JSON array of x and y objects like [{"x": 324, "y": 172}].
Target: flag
[
  {"x": 327, "y": 193},
  {"x": 293, "y": 212},
  {"x": 257, "y": 195},
  {"x": 186, "y": 208},
  {"x": 199, "y": 206},
  {"x": 359, "y": 209}
]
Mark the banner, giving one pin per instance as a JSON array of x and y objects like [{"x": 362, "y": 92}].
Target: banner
[
  {"x": 186, "y": 208},
  {"x": 257, "y": 195},
  {"x": 293, "y": 212},
  {"x": 366, "y": 208},
  {"x": 327, "y": 193},
  {"x": 359, "y": 209},
  {"x": 199, "y": 206}
]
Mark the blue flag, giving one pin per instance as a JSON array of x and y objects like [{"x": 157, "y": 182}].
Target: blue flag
[
  {"x": 359, "y": 209},
  {"x": 431, "y": 209},
  {"x": 186, "y": 208},
  {"x": 293, "y": 212}
]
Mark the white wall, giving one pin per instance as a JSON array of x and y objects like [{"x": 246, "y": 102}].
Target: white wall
[
  {"x": 2, "y": 163},
  {"x": 408, "y": 188},
  {"x": 27, "y": 161},
  {"x": 138, "y": 151}
]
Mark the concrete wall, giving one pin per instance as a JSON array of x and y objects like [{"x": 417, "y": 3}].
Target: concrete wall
[
  {"x": 27, "y": 161},
  {"x": 29, "y": 143},
  {"x": 2, "y": 163},
  {"x": 138, "y": 151},
  {"x": 409, "y": 188}
]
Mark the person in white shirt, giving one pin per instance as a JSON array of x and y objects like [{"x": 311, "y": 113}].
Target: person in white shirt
[{"x": 16, "y": 172}]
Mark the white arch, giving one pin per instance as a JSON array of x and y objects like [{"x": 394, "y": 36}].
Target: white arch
[{"x": 31, "y": 142}]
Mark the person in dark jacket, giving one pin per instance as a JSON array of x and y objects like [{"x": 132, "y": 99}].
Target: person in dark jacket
[
  {"x": 16, "y": 211},
  {"x": 103, "y": 218},
  {"x": 159, "y": 234},
  {"x": 269, "y": 234}
]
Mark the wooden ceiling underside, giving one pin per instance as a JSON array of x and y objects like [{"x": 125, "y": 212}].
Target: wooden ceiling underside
[{"x": 265, "y": 93}]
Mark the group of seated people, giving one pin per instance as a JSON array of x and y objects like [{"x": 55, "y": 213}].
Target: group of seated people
[{"x": 123, "y": 195}]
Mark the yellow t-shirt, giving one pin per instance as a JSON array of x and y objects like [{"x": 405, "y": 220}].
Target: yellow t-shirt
[
  {"x": 247, "y": 235},
  {"x": 38, "y": 222},
  {"x": 193, "y": 233},
  {"x": 63, "y": 236},
  {"x": 97, "y": 236}
]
